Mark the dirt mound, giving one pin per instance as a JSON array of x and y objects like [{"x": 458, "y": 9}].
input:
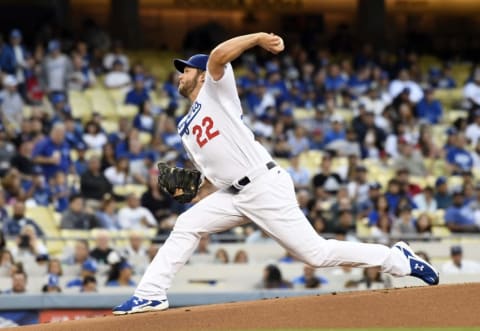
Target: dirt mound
[{"x": 446, "y": 305}]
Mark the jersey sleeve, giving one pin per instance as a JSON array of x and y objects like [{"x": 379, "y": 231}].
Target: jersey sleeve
[{"x": 225, "y": 88}]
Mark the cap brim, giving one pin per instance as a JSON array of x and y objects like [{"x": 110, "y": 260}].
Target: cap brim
[{"x": 180, "y": 64}]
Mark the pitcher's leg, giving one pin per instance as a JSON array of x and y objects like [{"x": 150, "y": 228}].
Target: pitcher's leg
[
  {"x": 215, "y": 213},
  {"x": 271, "y": 204}
]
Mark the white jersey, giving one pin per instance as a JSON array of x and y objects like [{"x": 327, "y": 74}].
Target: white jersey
[{"x": 215, "y": 137}]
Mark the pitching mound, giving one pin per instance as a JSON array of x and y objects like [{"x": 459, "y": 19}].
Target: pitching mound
[{"x": 447, "y": 305}]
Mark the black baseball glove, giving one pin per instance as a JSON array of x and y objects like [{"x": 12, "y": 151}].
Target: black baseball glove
[{"x": 182, "y": 184}]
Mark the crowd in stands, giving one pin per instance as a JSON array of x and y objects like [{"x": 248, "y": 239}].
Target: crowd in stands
[{"x": 363, "y": 135}]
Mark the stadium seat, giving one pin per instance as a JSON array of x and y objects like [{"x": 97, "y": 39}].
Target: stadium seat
[
  {"x": 44, "y": 216},
  {"x": 145, "y": 138},
  {"x": 117, "y": 95},
  {"x": 124, "y": 190},
  {"x": 300, "y": 114},
  {"x": 128, "y": 111},
  {"x": 110, "y": 126}
]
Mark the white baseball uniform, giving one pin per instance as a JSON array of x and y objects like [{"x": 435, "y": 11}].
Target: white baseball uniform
[{"x": 225, "y": 151}]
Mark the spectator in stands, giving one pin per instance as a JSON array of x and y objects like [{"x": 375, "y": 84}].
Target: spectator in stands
[
  {"x": 429, "y": 109},
  {"x": 327, "y": 179},
  {"x": 19, "y": 283},
  {"x": 221, "y": 257},
  {"x": 89, "y": 268},
  {"x": 161, "y": 205},
  {"x": 241, "y": 257},
  {"x": 144, "y": 121},
  {"x": 407, "y": 187},
  {"x": 75, "y": 217},
  {"x": 471, "y": 91},
  {"x": 89, "y": 285},
  {"x": 108, "y": 156},
  {"x": 117, "y": 78},
  {"x": 80, "y": 254},
  {"x": 309, "y": 279},
  {"x": 403, "y": 82},
  {"x": 94, "y": 137},
  {"x": 34, "y": 92},
  {"x": 54, "y": 267},
  {"x": 22, "y": 160},
  {"x": 202, "y": 253},
  {"x": 18, "y": 220},
  {"x": 300, "y": 175},
  {"x": 442, "y": 196},
  {"x": 12, "y": 104},
  {"x": 459, "y": 217},
  {"x": 404, "y": 223},
  {"x": 4, "y": 217},
  {"x": 335, "y": 81},
  {"x": 117, "y": 54},
  {"x": 12, "y": 186},
  {"x": 138, "y": 161},
  {"x": 136, "y": 253},
  {"x": 119, "y": 175},
  {"x": 272, "y": 279},
  {"x": 38, "y": 190},
  {"x": 409, "y": 158},
  {"x": 395, "y": 194},
  {"x": 102, "y": 247},
  {"x": 93, "y": 183},
  {"x": 107, "y": 214},
  {"x": 441, "y": 78},
  {"x": 6, "y": 262},
  {"x": 53, "y": 153},
  {"x": 56, "y": 69},
  {"x": 7, "y": 58},
  {"x": 53, "y": 285},
  {"x": 152, "y": 251},
  {"x": 458, "y": 157},
  {"x": 135, "y": 217},
  {"x": 120, "y": 274},
  {"x": 459, "y": 265},
  {"x": 138, "y": 94},
  {"x": 473, "y": 130},
  {"x": 7, "y": 151},
  {"x": 60, "y": 192},
  {"x": 370, "y": 136},
  {"x": 336, "y": 132},
  {"x": 29, "y": 246},
  {"x": 425, "y": 201},
  {"x": 372, "y": 280},
  {"x": 73, "y": 132},
  {"x": 298, "y": 140},
  {"x": 423, "y": 224},
  {"x": 81, "y": 77},
  {"x": 426, "y": 144},
  {"x": 358, "y": 188}
]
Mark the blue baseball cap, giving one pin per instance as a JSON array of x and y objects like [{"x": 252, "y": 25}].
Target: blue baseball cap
[
  {"x": 15, "y": 33},
  {"x": 53, "y": 45},
  {"x": 89, "y": 265},
  {"x": 198, "y": 61},
  {"x": 58, "y": 97},
  {"x": 440, "y": 181},
  {"x": 125, "y": 265}
]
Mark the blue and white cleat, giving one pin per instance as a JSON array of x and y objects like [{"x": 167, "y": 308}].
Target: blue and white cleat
[
  {"x": 418, "y": 267},
  {"x": 139, "y": 305}
]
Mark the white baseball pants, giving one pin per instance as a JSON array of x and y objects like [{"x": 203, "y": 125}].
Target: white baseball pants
[{"x": 270, "y": 202}]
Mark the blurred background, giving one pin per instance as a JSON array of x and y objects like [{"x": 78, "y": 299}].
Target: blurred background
[{"x": 373, "y": 108}]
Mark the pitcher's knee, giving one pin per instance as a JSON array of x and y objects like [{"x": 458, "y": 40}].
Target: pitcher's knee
[{"x": 185, "y": 226}]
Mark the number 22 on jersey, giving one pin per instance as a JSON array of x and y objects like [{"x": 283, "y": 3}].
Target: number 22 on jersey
[{"x": 205, "y": 132}]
